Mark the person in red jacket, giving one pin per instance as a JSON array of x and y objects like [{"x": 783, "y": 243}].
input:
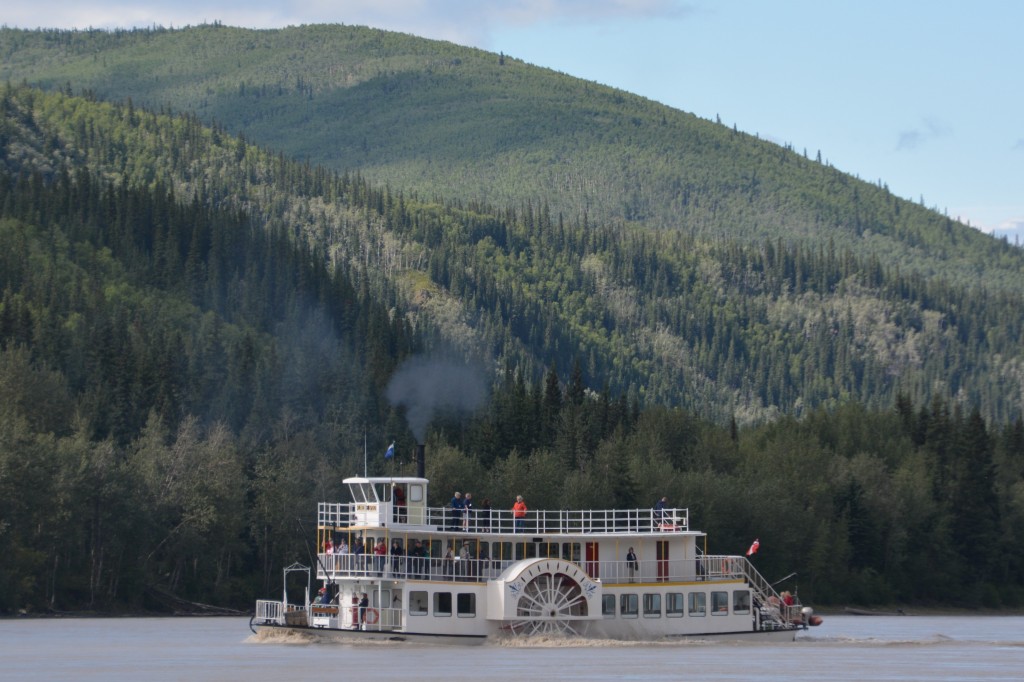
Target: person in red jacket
[{"x": 519, "y": 513}]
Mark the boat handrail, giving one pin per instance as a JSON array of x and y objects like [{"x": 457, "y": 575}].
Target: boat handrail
[
  {"x": 341, "y": 515},
  {"x": 619, "y": 571}
]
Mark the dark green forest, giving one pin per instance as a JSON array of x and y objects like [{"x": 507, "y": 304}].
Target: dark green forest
[{"x": 197, "y": 336}]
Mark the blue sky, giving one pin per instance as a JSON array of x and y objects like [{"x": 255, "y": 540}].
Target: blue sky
[{"x": 926, "y": 96}]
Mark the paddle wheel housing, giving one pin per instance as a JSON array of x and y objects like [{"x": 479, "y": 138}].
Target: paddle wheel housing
[{"x": 542, "y": 596}]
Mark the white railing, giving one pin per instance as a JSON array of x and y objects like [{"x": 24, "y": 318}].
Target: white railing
[
  {"x": 328, "y": 615},
  {"x": 704, "y": 568},
  {"x": 269, "y": 612},
  {"x": 568, "y": 521}
]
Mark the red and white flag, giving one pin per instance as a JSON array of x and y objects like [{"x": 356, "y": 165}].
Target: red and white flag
[{"x": 754, "y": 547}]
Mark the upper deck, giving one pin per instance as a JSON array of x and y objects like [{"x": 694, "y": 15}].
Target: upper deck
[{"x": 376, "y": 505}]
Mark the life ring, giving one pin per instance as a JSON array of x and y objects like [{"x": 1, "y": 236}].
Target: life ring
[{"x": 372, "y": 616}]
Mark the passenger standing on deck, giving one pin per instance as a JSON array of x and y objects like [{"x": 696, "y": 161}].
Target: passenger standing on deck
[
  {"x": 659, "y": 510},
  {"x": 483, "y": 517},
  {"x": 631, "y": 563},
  {"x": 342, "y": 549},
  {"x": 418, "y": 554},
  {"x": 468, "y": 512},
  {"x": 519, "y": 513},
  {"x": 396, "y": 559},
  {"x": 364, "y": 602},
  {"x": 399, "y": 502},
  {"x": 358, "y": 551},
  {"x": 448, "y": 562},
  {"x": 458, "y": 506},
  {"x": 380, "y": 551}
]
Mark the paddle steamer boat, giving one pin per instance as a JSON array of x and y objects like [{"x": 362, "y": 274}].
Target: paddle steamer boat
[{"x": 464, "y": 577}]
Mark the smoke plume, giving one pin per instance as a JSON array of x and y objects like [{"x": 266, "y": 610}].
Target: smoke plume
[{"x": 425, "y": 385}]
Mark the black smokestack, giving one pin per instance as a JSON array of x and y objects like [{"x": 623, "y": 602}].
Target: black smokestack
[{"x": 421, "y": 466}]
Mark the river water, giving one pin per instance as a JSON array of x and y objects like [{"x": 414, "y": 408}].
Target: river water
[{"x": 876, "y": 648}]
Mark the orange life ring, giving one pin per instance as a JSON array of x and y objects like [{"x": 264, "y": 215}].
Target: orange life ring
[{"x": 372, "y": 616}]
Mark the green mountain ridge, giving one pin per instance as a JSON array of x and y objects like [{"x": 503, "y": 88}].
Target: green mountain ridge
[
  {"x": 786, "y": 285},
  {"x": 439, "y": 120}
]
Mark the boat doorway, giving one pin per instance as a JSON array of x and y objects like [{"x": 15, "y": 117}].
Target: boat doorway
[
  {"x": 593, "y": 560},
  {"x": 661, "y": 554}
]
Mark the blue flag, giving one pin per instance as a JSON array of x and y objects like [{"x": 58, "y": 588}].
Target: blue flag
[{"x": 391, "y": 452}]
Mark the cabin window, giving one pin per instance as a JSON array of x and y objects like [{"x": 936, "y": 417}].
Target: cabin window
[
  {"x": 417, "y": 603},
  {"x": 549, "y": 550},
  {"x": 571, "y": 551},
  {"x": 652, "y": 605},
  {"x": 720, "y": 603},
  {"x": 698, "y": 603},
  {"x": 502, "y": 551},
  {"x": 741, "y": 601},
  {"x": 526, "y": 550},
  {"x": 674, "y": 604},
  {"x": 629, "y": 605},
  {"x": 415, "y": 493},
  {"x": 608, "y": 605},
  {"x": 466, "y": 604},
  {"x": 442, "y": 603}
]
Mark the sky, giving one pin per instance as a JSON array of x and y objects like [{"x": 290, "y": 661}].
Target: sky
[{"x": 924, "y": 96}]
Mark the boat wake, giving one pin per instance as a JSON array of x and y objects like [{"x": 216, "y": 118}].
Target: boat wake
[
  {"x": 934, "y": 640},
  {"x": 280, "y": 636}
]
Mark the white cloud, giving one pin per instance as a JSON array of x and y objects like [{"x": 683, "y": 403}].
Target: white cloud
[
  {"x": 930, "y": 129},
  {"x": 1012, "y": 229}
]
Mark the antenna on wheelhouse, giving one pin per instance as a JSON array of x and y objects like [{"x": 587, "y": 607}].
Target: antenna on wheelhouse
[
  {"x": 365, "y": 469},
  {"x": 421, "y": 466}
]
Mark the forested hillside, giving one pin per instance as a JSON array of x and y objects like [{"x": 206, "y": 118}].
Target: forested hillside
[
  {"x": 196, "y": 336},
  {"x": 440, "y": 120},
  {"x": 721, "y": 327}
]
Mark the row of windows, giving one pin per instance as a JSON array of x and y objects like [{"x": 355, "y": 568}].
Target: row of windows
[
  {"x": 482, "y": 549},
  {"x": 676, "y": 604},
  {"x": 465, "y": 604}
]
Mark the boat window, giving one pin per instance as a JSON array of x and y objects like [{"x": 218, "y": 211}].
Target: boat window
[
  {"x": 608, "y": 605},
  {"x": 379, "y": 598},
  {"x": 526, "y": 550},
  {"x": 628, "y": 606},
  {"x": 415, "y": 492},
  {"x": 358, "y": 491},
  {"x": 698, "y": 603},
  {"x": 719, "y": 603},
  {"x": 466, "y": 604},
  {"x": 442, "y": 603},
  {"x": 549, "y": 550},
  {"x": 571, "y": 551},
  {"x": 652, "y": 605},
  {"x": 741, "y": 601},
  {"x": 502, "y": 550},
  {"x": 417, "y": 603},
  {"x": 674, "y": 604}
]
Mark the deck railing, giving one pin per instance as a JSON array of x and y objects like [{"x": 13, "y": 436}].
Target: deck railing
[
  {"x": 566, "y": 521},
  {"x": 705, "y": 568},
  {"x": 327, "y": 615}
]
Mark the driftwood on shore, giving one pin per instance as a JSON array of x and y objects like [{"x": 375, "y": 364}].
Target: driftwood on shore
[{"x": 184, "y": 607}]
